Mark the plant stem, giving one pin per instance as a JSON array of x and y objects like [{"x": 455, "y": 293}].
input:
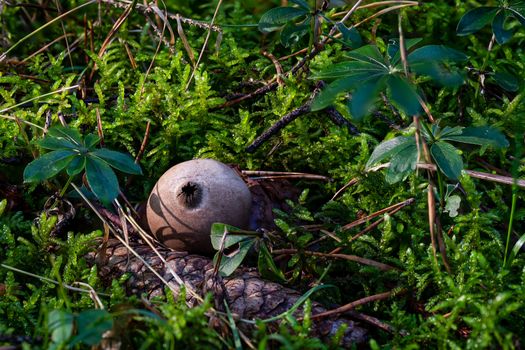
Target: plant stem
[
  {"x": 64, "y": 189},
  {"x": 515, "y": 165}
]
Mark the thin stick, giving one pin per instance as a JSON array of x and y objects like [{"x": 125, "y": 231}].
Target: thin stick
[
  {"x": 36, "y": 98},
  {"x": 377, "y": 213},
  {"x": 277, "y": 65},
  {"x": 208, "y": 34},
  {"x": 354, "y": 304},
  {"x": 344, "y": 188}
]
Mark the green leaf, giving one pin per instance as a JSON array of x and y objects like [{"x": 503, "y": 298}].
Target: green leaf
[
  {"x": 364, "y": 97},
  {"x": 91, "y": 326},
  {"x": 66, "y": 133},
  {"x": 76, "y": 166},
  {"x": 369, "y": 54},
  {"x": 291, "y": 33},
  {"x": 518, "y": 9},
  {"x": 498, "y": 28},
  {"x": 351, "y": 36},
  {"x": 441, "y": 74},
  {"x": 230, "y": 262},
  {"x": 277, "y": 17},
  {"x": 447, "y": 159},
  {"x": 403, "y": 162},
  {"x": 3, "y": 205},
  {"x": 447, "y": 131},
  {"x": 118, "y": 160},
  {"x": 266, "y": 265},
  {"x": 507, "y": 81},
  {"x": 302, "y": 4},
  {"x": 327, "y": 96},
  {"x": 356, "y": 70},
  {"x": 91, "y": 140},
  {"x": 481, "y": 136},
  {"x": 387, "y": 149},
  {"x": 393, "y": 49},
  {"x": 56, "y": 143},
  {"x": 475, "y": 19},
  {"x": 48, "y": 165},
  {"x": 403, "y": 95},
  {"x": 102, "y": 180},
  {"x": 233, "y": 235},
  {"x": 436, "y": 53},
  {"x": 60, "y": 324}
]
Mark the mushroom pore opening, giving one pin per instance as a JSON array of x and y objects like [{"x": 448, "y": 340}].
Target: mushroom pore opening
[{"x": 190, "y": 195}]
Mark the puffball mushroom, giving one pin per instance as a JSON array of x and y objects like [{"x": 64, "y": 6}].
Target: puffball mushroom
[{"x": 190, "y": 197}]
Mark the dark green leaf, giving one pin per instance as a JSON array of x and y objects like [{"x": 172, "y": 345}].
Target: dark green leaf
[
  {"x": 359, "y": 71},
  {"x": 403, "y": 162},
  {"x": 327, "y": 96},
  {"x": 230, "y": 262},
  {"x": 76, "y": 165},
  {"x": 60, "y": 324},
  {"x": 480, "y": 135},
  {"x": 233, "y": 235},
  {"x": 498, "y": 28},
  {"x": 351, "y": 36},
  {"x": 56, "y": 143},
  {"x": 91, "y": 326},
  {"x": 67, "y": 133},
  {"x": 277, "y": 17},
  {"x": 393, "y": 49},
  {"x": 387, "y": 148},
  {"x": 364, "y": 97},
  {"x": 291, "y": 33},
  {"x": 447, "y": 159},
  {"x": 447, "y": 131},
  {"x": 118, "y": 160},
  {"x": 266, "y": 265},
  {"x": 403, "y": 95},
  {"x": 48, "y": 165},
  {"x": 518, "y": 9},
  {"x": 475, "y": 19},
  {"x": 436, "y": 53},
  {"x": 302, "y": 4},
  {"x": 91, "y": 140},
  {"x": 441, "y": 74},
  {"x": 102, "y": 180},
  {"x": 369, "y": 54},
  {"x": 507, "y": 81}
]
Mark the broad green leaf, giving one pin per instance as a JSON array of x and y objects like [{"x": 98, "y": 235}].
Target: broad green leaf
[
  {"x": 67, "y": 133},
  {"x": 441, "y": 74},
  {"x": 118, "y": 160},
  {"x": 76, "y": 165},
  {"x": 327, "y": 96},
  {"x": 266, "y": 265},
  {"x": 516, "y": 249},
  {"x": 403, "y": 95},
  {"x": 507, "y": 81},
  {"x": 403, "y": 162},
  {"x": 369, "y": 54},
  {"x": 351, "y": 35},
  {"x": 364, "y": 97},
  {"x": 91, "y": 326},
  {"x": 447, "y": 159},
  {"x": 302, "y": 4},
  {"x": 475, "y": 19},
  {"x": 480, "y": 135},
  {"x": 91, "y": 140},
  {"x": 498, "y": 28},
  {"x": 48, "y": 165},
  {"x": 60, "y": 323},
  {"x": 234, "y": 235},
  {"x": 56, "y": 143},
  {"x": 436, "y": 53},
  {"x": 447, "y": 131},
  {"x": 387, "y": 148},
  {"x": 393, "y": 49},
  {"x": 101, "y": 179},
  {"x": 291, "y": 33},
  {"x": 277, "y": 17},
  {"x": 230, "y": 262},
  {"x": 351, "y": 69}
]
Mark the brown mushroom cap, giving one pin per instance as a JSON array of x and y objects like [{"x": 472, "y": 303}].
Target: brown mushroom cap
[{"x": 190, "y": 197}]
